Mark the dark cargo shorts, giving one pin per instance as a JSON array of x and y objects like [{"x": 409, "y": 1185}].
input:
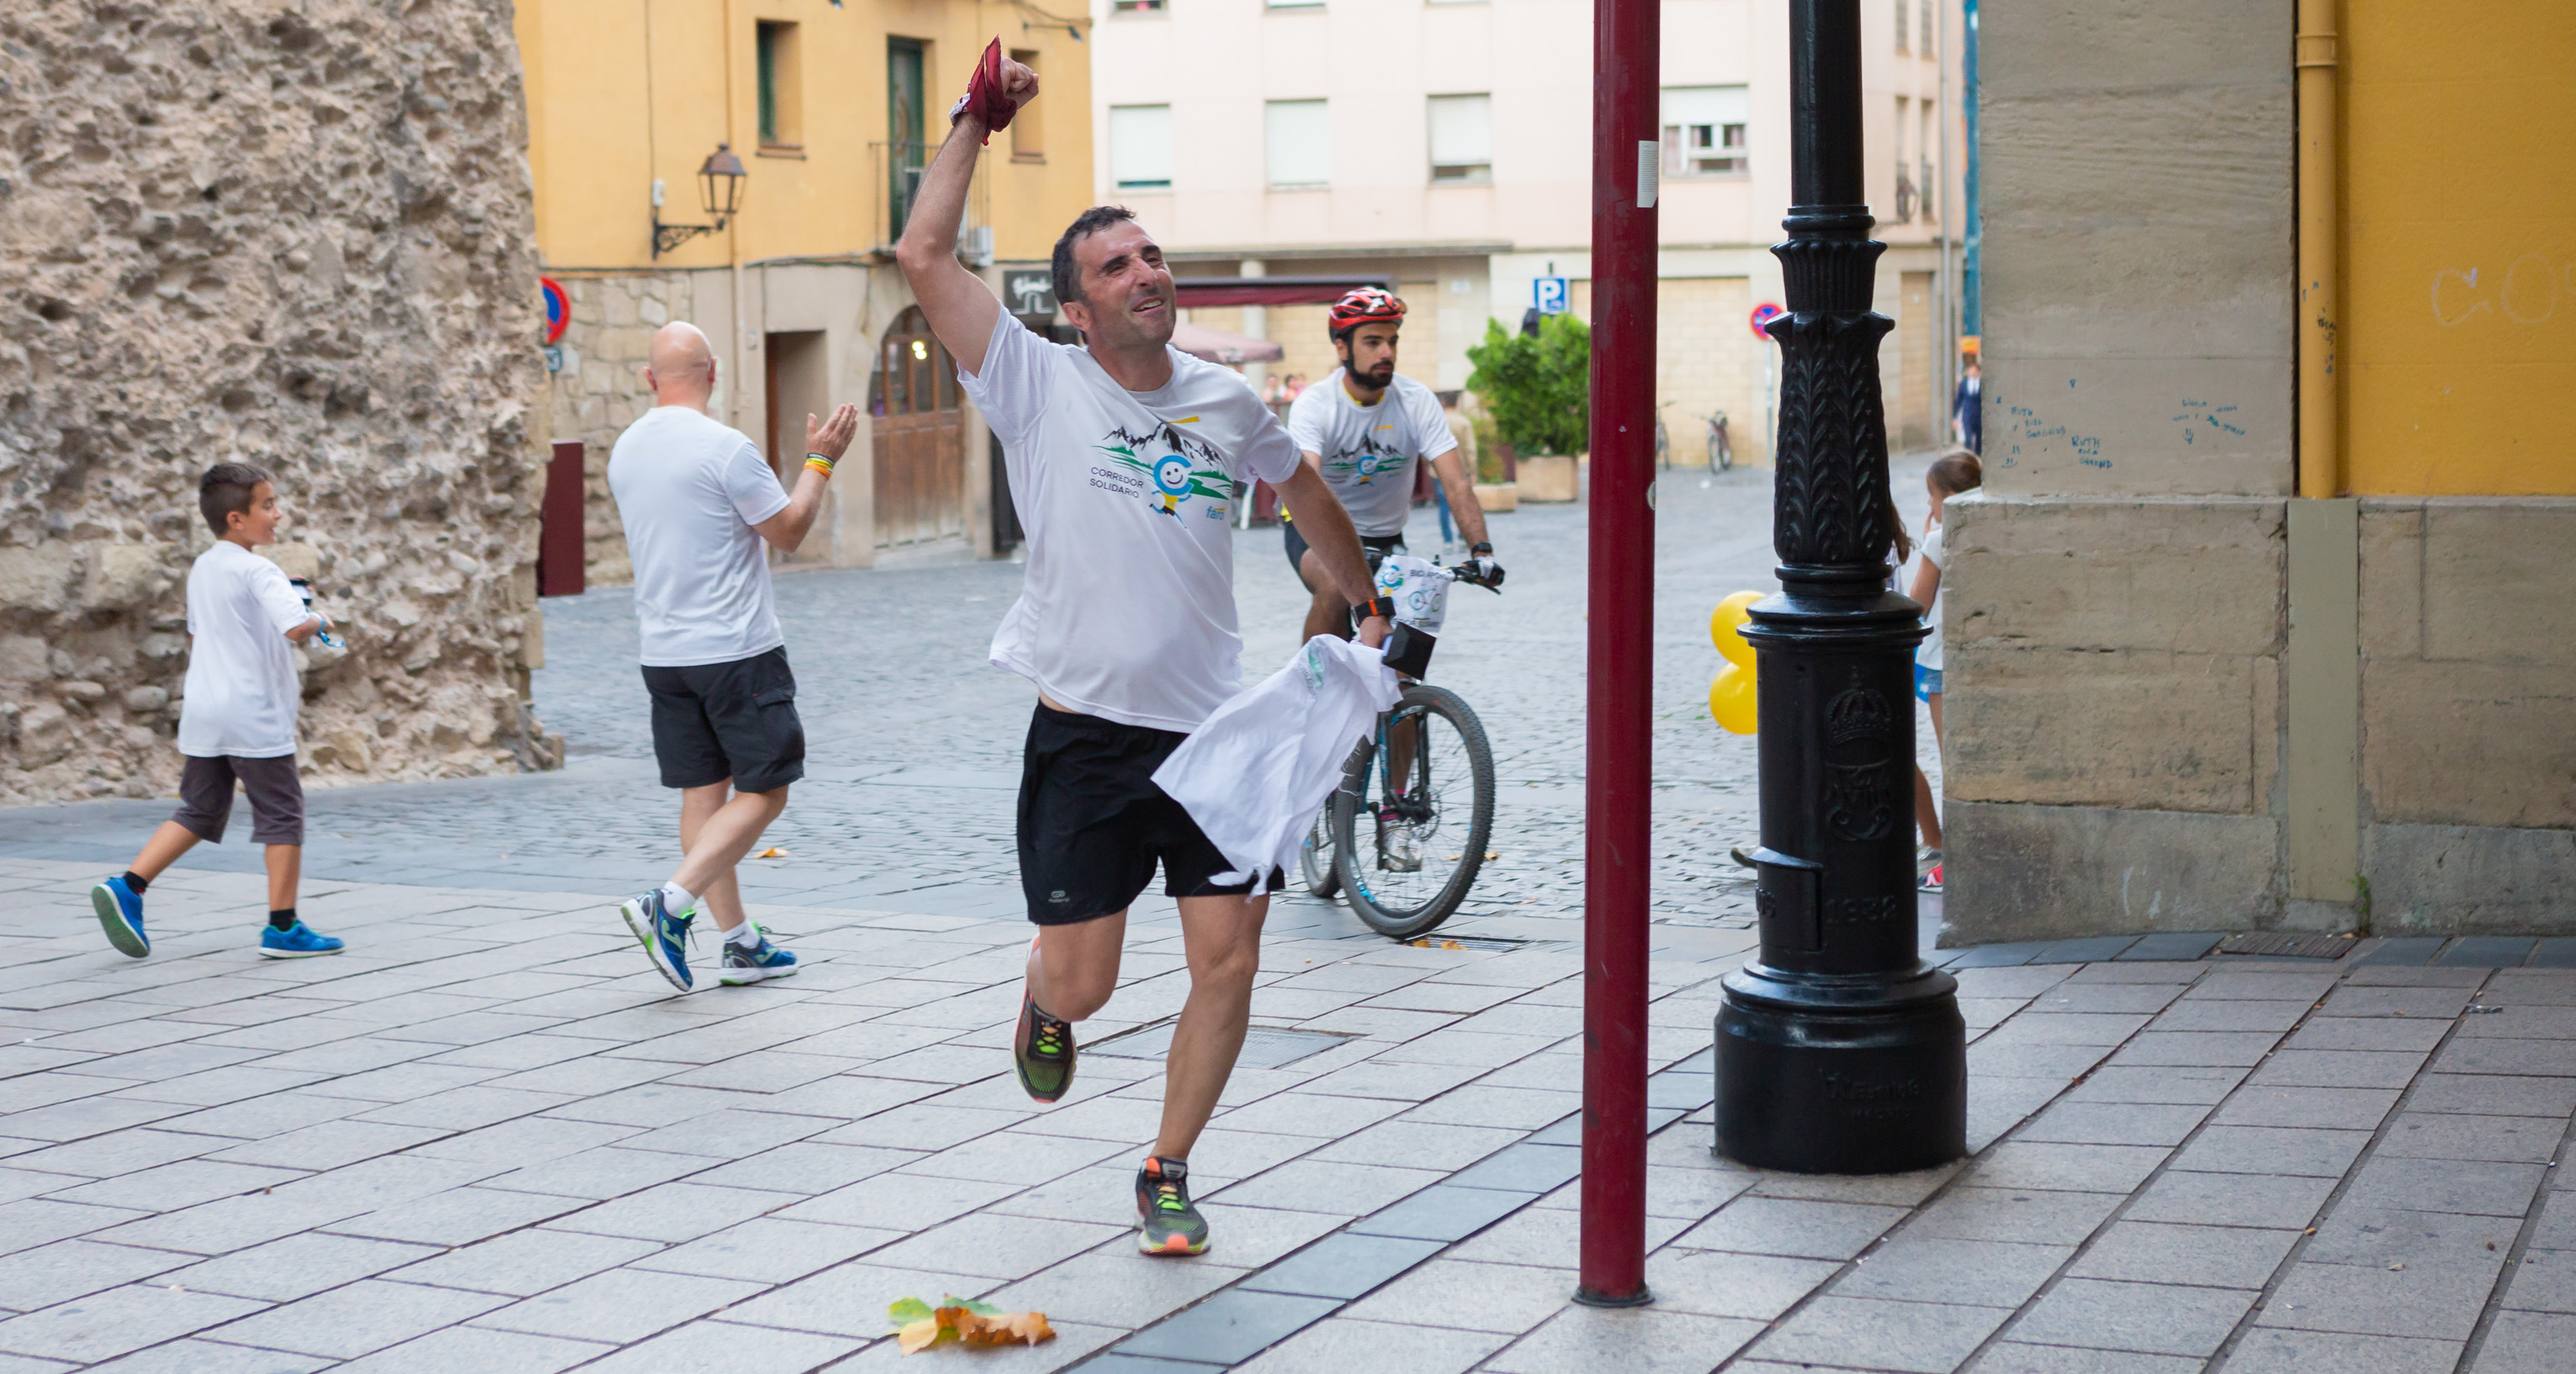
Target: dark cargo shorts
[
  {"x": 728, "y": 720},
  {"x": 276, "y": 798}
]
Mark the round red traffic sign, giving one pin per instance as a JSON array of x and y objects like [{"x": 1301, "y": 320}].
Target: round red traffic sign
[
  {"x": 1764, "y": 314},
  {"x": 558, "y": 308}
]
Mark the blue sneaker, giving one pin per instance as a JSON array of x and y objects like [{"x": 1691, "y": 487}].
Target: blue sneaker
[
  {"x": 752, "y": 965},
  {"x": 665, "y": 936},
  {"x": 298, "y": 941},
  {"x": 120, "y": 914}
]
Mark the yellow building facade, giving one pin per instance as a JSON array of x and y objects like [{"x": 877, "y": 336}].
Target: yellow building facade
[
  {"x": 831, "y": 109},
  {"x": 2265, "y": 616}
]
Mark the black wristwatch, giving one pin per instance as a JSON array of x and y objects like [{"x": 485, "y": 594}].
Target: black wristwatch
[
  {"x": 1375, "y": 607},
  {"x": 1481, "y": 551}
]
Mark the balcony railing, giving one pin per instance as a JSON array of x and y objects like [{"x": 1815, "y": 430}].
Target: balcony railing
[{"x": 899, "y": 167}]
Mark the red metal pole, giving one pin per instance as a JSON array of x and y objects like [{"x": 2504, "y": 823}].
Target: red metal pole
[{"x": 1626, "y": 160}]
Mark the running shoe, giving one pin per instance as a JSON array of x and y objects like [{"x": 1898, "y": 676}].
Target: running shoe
[
  {"x": 665, "y": 936},
  {"x": 1042, "y": 1053},
  {"x": 298, "y": 941},
  {"x": 1397, "y": 849},
  {"x": 1166, "y": 1222},
  {"x": 765, "y": 960},
  {"x": 1931, "y": 881},
  {"x": 1926, "y": 858},
  {"x": 120, "y": 914}
]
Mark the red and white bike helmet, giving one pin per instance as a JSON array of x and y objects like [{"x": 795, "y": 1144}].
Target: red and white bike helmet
[{"x": 1365, "y": 305}]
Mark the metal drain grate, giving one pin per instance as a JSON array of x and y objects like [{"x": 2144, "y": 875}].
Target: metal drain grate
[
  {"x": 2273, "y": 945},
  {"x": 1263, "y": 1047}
]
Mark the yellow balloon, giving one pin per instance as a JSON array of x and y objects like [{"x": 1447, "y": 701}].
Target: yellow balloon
[
  {"x": 1726, "y": 625},
  {"x": 1731, "y": 699}
]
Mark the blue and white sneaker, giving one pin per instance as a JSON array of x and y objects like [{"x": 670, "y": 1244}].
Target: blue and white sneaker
[
  {"x": 120, "y": 914},
  {"x": 665, "y": 936},
  {"x": 752, "y": 965},
  {"x": 298, "y": 941}
]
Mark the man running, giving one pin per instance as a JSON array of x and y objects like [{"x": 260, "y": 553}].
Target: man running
[
  {"x": 1124, "y": 456},
  {"x": 699, "y": 502},
  {"x": 1363, "y": 428}
]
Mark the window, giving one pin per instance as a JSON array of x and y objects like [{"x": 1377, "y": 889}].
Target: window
[
  {"x": 1924, "y": 24},
  {"x": 1924, "y": 147},
  {"x": 1300, "y": 143},
  {"x": 1902, "y": 7},
  {"x": 781, "y": 92},
  {"x": 1136, "y": 6},
  {"x": 1904, "y": 184},
  {"x": 1140, "y": 147},
  {"x": 1462, "y": 139},
  {"x": 1704, "y": 131},
  {"x": 1028, "y": 127}
]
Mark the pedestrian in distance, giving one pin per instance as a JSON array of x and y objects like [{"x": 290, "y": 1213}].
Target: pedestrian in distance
[
  {"x": 1968, "y": 410},
  {"x": 699, "y": 504},
  {"x": 1124, "y": 456},
  {"x": 237, "y": 719},
  {"x": 1951, "y": 473}
]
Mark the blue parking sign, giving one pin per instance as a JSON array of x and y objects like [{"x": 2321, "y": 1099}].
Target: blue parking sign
[{"x": 1551, "y": 295}]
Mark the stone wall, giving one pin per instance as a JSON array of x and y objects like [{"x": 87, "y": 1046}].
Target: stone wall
[
  {"x": 599, "y": 390},
  {"x": 295, "y": 235}
]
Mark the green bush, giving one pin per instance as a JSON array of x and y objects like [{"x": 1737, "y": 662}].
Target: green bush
[{"x": 1538, "y": 389}]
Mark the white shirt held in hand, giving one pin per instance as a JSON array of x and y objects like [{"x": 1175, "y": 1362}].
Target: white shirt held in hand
[
  {"x": 242, "y": 696},
  {"x": 1256, "y": 774}
]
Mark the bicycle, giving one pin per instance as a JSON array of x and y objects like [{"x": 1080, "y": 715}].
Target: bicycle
[
  {"x": 1721, "y": 454},
  {"x": 1444, "y": 750}
]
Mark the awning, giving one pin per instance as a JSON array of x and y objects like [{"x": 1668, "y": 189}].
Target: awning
[
  {"x": 1214, "y": 291},
  {"x": 1218, "y": 346}
]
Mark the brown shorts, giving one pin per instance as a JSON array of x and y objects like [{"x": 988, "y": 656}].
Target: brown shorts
[{"x": 276, "y": 798}]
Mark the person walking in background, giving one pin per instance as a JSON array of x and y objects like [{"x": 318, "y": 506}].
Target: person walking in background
[
  {"x": 237, "y": 719},
  {"x": 1951, "y": 473},
  {"x": 699, "y": 502},
  {"x": 1967, "y": 409}
]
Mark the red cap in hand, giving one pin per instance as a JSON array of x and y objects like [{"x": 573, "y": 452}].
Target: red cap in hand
[{"x": 984, "y": 97}]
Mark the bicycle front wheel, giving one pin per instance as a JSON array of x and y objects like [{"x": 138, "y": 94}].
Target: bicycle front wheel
[{"x": 1409, "y": 846}]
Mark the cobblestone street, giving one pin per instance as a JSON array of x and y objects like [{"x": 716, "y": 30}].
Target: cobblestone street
[
  {"x": 914, "y": 739},
  {"x": 489, "y": 1137}
]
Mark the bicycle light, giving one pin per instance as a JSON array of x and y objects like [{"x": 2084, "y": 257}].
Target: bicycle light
[{"x": 1408, "y": 649}]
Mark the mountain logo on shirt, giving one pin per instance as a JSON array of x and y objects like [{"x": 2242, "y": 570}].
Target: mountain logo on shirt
[
  {"x": 1360, "y": 465},
  {"x": 1167, "y": 468}
]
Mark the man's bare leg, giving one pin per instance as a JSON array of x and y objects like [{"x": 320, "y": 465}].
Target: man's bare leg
[
  {"x": 1073, "y": 967},
  {"x": 726, "y": 834},
  {"x": 1221, "y": 936},
  {"x": 722, "y": 898},
  {"x": 162, "y": 850}
]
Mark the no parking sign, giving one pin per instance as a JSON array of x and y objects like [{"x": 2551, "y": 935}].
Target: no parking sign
[
  {"x": 1764, "y": 314},
  {"x": 558, "y": 308}
]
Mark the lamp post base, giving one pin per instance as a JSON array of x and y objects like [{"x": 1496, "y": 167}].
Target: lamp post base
[{"x": 1841, "y": 1075}]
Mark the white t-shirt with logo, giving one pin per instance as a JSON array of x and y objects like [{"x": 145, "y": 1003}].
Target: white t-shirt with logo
[
  {"x": 241, "y": 697},
  {"x": 1368, "y": 451},
  {"x": 690, "y": 489},
  {"x": 1127, "y": 612},
  {"x": 1928, "y": 653}
]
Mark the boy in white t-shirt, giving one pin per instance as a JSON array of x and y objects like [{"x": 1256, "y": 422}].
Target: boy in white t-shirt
[
  {"x": 1125, "y": 457},
  {"x": 237, "y": 720}
]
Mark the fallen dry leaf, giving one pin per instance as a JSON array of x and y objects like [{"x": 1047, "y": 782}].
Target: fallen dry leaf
[
  {"x": 773, "y": 853},
  {"x": 920, "y": 1326}
]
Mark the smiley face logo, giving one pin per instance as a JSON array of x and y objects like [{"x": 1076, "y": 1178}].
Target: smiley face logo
[
  {"x": 1368, "y": 465},
  {"x": 1172, "y": 478}
]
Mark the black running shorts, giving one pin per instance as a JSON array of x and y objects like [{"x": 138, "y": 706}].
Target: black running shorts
[
  {"x": 1297, "y": 546},
  {"x": 276, "y": 798},
  {"x": 1093, "y": 824},
  {"x": 728, "y": 720}
]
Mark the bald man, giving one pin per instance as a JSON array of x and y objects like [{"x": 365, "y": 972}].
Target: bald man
[{"x": 699, "y": 502}]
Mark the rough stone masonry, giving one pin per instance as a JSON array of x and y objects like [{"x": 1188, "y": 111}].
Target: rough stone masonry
[{"x": 296, "y": 233}]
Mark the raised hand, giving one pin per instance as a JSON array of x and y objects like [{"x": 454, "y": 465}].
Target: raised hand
[
  {"x": 832, "y": 437},
  {"x": 1019, "y": 83}
]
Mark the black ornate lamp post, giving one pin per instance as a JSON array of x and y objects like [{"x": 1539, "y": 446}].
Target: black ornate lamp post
[{"x": 1837, "y": 1050}]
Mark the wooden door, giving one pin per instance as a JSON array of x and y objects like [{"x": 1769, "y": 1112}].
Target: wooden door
[{"x": 919, "y": 432}]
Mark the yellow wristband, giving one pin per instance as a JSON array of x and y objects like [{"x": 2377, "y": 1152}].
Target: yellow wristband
[{"x": 819, "y": 463}]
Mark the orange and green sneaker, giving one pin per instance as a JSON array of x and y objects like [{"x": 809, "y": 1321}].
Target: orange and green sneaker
[
  {"x": 1166, "y": 1222},
  {"x": 1042, "y": 1052}
]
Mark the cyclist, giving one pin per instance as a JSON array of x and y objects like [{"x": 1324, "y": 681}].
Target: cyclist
[{"x": 1363, "y": 428}]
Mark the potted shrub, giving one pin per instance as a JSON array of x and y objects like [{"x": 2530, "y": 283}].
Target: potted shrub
[{"x": 1538, "y": 389}]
